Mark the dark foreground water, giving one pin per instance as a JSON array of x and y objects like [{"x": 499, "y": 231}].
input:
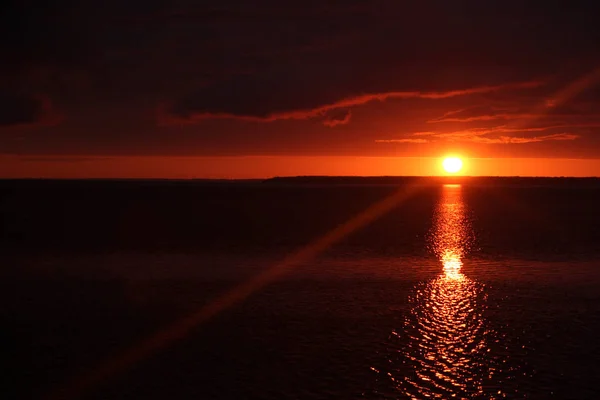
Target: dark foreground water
[{"x": 484, "y": 289}]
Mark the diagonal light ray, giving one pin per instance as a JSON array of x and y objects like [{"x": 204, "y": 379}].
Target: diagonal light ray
[
  {"x": 561, "y": 97},
  {"x": 182, "y": 327}
]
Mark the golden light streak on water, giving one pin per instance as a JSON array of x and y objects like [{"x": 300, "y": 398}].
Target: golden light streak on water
[{"x": 448, "y": 341}]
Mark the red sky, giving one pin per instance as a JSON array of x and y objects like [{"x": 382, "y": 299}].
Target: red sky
[{"x": 241, "y": 89}]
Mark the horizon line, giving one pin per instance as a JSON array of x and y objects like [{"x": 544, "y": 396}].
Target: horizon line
[{"x": 276, "y": 177}]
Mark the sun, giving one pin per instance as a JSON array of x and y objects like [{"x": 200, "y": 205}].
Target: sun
[{"x": 452, "y": 164}]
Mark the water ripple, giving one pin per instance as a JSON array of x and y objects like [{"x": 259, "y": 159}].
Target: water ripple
[{"x": 447, "y": 348}]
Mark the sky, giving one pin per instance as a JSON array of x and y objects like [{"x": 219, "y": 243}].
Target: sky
[{"x": 250, "y": 89}]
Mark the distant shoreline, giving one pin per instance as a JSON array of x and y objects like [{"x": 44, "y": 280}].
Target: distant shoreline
[{"x": 402, "y": 179}]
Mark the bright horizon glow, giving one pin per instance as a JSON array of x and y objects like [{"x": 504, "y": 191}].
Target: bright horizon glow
[
  {"x": 452, "y": 165},
  {"x": 261, "y": 167}
]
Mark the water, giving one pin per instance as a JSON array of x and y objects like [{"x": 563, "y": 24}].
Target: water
[
  {"x": 459, "y": 291},
  {"x": 446, "y": 347}
]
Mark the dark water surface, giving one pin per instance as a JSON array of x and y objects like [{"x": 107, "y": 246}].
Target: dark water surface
[{"x": 483, "y": 290}]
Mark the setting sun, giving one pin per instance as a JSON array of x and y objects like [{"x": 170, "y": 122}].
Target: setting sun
[{"x": 452, "y": 164}]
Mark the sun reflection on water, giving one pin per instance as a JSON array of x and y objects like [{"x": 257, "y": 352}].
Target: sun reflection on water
[
  {"x": 445, "y": 343},
  {"x": 447, "y": 329}
]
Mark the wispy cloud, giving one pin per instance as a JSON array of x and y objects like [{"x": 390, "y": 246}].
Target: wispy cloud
[
  {"x": 482, "y": 113},
  {"x": 341, "y": 117},
  {"x": 424, "y": 133},
  {"x": 177, "y": 114},
  {"x": 522, "y": 140},
  {"x": 494, "y": 130},
  {"x": 405, "y": 140},
  {"x": 488, "y": 117},
  {"x": 482, "y": 136},
  {"x": 520, "y": 115}
]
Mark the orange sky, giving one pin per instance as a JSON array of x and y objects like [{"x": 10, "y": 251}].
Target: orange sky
[
  {"x": 331, "y": 88},
  {"x": 268, "y": 166}
]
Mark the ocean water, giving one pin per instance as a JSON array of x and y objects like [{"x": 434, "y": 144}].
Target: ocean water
[{"x": 477, "y": 290}]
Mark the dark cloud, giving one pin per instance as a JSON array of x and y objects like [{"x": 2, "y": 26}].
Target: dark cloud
[
  {"x": 18, "y": 110},
  {"x": 68, "y": 160},
  {"x": 42, "y": 33},
  {"x": 356, "y": 54},
  {"x": 214, "y": 69}
]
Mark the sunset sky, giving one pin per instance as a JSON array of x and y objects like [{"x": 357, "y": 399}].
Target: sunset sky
[{"x": 249, "y": 89}]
